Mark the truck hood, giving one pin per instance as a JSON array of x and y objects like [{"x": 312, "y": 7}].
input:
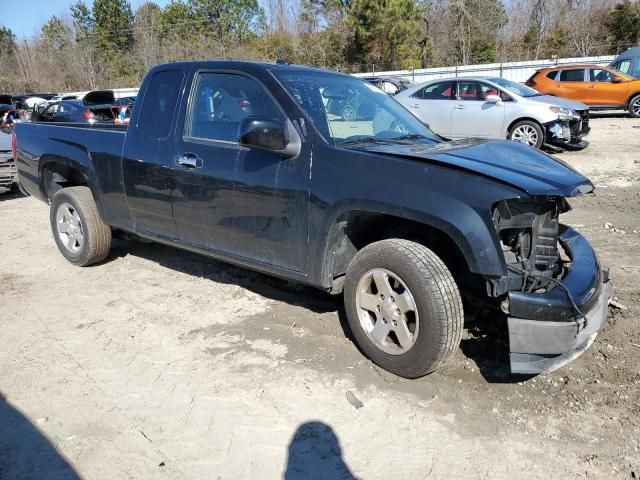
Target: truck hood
[
  {"x": 558, "y": 102},
  {"x": 509, "y": 162}
]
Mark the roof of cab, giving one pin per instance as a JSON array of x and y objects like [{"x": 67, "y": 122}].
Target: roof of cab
[{"x": 243, "y": 65}]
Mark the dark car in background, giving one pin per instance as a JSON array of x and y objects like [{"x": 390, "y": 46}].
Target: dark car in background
[
  {"x": 96, "y": 106},
  {"x": 390, "y": 85},
  {"x": 70, "y": 111}
]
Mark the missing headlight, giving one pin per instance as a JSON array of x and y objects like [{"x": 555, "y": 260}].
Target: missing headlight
[{"x": 528, "y": 231}]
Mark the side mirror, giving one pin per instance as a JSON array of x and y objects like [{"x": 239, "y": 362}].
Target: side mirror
[
  {"x": 493, "y": 99},
  {"x": 617, "y": 80},
  {"x": 269, "y": 134}
]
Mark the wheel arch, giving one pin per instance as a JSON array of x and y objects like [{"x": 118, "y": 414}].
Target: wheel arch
[
  {"x": 631, "y": 97},
  {"x": 522, "y": 119},
  {"x": 57, "y": 173},
  {"x": 354, "y": 229}
]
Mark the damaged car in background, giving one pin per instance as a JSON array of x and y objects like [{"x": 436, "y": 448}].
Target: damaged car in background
[{"x": 487, "y": 107}]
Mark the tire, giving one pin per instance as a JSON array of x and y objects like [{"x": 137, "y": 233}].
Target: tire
[
  {"x": 527, "y": 132},
  {"x": 349, "y": 113},
  {"x": 634, "y": 107},
  {"x": 435, "y": 324},
  {"x": 80, "y": 234}
]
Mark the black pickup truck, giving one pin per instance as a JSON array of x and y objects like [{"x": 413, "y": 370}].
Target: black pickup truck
[{"x": 243, "y": 162}]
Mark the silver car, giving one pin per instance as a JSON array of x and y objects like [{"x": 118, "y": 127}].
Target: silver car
[{"x": 489, "y": 107}]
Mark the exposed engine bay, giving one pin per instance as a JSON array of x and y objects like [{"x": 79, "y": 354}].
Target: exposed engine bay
[{"x": 528, "y": 231}]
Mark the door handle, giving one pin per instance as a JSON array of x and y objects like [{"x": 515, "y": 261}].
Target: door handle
[
  {"x": 591, "y": 86},
  {"x": 414, "y": 105},
  {"x": 189, "y": 160},
  {"x": 459, "y": 107}
]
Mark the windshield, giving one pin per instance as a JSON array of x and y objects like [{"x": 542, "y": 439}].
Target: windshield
[
  {"x": 348, "y": 110},
  {"x": 516, "y": 88}
]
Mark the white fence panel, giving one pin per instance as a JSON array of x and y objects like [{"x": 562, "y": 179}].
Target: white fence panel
[{"x": 516, "y": 71}]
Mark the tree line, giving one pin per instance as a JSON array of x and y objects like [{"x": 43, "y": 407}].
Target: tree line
[{"x": 106, "y": 44}]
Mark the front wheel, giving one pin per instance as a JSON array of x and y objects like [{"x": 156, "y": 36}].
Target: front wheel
[
  {"x": 403, "y": 307},
  {"x": 527, "y": 132},
  {"x": 80, "y": 234},
  {"x": 634, "y": 107}
]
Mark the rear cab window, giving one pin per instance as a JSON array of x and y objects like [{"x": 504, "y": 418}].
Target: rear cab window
[{"x": 159, "y": 104}]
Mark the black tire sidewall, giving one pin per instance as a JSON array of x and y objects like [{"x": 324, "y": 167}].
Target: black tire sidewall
[
  {"x": 534, "y": 125},
  {"x": 64, "y": 196},
  {"x": 426, "y": 351}
]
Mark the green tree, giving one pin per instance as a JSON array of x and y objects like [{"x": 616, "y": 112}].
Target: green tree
[
  {"x": 385, "y": 33},
  {"x": 7, "y": 59},
  {"x": 623, "y": 24},
  {"x": 229, "y": 20},
  {"x": 56, "y": 34},
  {"x": 82, "y": 19},
  {"x": 113, "y": 25}
]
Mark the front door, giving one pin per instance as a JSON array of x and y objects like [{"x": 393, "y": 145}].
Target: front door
[
  {"x": 473, "y": 115},
  {"x": 602, "y": 89},
  {"x": 243, "y": 203}
]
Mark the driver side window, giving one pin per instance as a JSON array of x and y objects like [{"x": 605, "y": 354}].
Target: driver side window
[
  {"x": 219, "y": 103},
  {"x": 600, "y": 75}
]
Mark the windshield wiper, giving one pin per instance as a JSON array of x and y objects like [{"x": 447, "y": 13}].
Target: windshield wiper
[
  {"x": 362, "y": 140},
  {"x": 408, "y": 136}
]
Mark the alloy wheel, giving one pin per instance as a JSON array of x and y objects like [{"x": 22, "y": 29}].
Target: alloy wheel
[
  {"x": 349, "y": 113},
  {"x": 387, "y": 311},
  {"x": 525, "y": 134},
  {"x": 69, "y": 227}
]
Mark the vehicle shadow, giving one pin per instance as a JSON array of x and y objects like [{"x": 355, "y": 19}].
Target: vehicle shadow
[
  {"x": 25, "y": 452},
  {"x": 315, "y": 454},
  {"x": 10, "y": 195},
  {"x": 487, "y": 343},
  {"x": 611, "y": 114},
  {"x": 201, "y": 266}
]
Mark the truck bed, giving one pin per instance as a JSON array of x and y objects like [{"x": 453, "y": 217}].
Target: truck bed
[{"x": 95, "y": 149}]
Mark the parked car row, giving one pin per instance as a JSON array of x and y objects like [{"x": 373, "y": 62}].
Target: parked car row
[
  {"x": 551, "y": 109},
  {"x": 488, "y": 107},
  {"x": 600, "y": 88}
]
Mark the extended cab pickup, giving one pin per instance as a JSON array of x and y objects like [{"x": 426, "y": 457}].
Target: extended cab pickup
[{"x": 243, "y": 162}]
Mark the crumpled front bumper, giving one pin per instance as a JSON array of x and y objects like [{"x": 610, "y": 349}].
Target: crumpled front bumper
[
  {"x": 545, "y": 330},
  {"x": 568, "y": 133}
]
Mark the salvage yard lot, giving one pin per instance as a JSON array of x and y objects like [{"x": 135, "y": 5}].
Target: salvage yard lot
[{"x": 163, "y": 364}]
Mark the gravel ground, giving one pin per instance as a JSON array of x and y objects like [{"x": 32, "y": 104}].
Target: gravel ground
[{"x": 163, "y": 364}]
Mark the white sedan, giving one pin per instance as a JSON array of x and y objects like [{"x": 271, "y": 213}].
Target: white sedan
[{"x": 488, "y": 107}]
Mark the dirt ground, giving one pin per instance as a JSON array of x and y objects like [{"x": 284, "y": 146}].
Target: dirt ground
[{"x": 164, "y": 364}]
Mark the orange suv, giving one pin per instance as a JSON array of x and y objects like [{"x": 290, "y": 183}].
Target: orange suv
[{"x": 598, "y": 87}]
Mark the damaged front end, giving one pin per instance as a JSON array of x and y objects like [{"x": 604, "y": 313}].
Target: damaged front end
[
  {"x": 555, "y": 293},
  {"x": 569, "y": 129}
]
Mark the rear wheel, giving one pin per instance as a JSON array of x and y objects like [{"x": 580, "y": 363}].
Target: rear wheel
[
  {"x": 80, "y": 234},
  {"x": 403, "y": 307},
  {"x": 527, "y": 132},
  {"x": 349, "y": 113},
  {"x": 634, "y": 107}
]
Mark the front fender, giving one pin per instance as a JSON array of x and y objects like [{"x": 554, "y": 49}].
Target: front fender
[{"x": 470, "y": 231}]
